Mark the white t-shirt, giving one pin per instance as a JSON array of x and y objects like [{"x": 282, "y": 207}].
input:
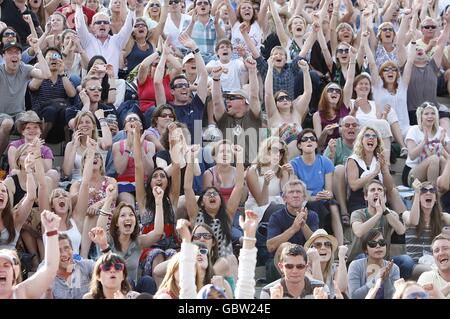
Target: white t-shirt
[
  {"x": 255, "y": 35},
  {"x": 415, "y": 134},
  {"x": 230, "y": 81},
  {"x": 173, "y": 32}
]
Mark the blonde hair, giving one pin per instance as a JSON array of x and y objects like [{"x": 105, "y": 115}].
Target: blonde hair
[
  {"x": 264, "y": 150},
  {"x": 69, "y": 209},
  {"x": 358, "y": 148},
  {"x": 381, "y": 26},
  {"x": 20, "y": 151},
  {"x": 83, "y": 161},
  {"x": 82, "y": 114},
  {"x": 419, "y": 113},
  {"x": 401, "y": 288},
  {"x": 291, "y": 20},
  {"x": 397, "y": 74}
]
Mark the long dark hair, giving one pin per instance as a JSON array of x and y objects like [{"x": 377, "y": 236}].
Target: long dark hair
[
  {"x": 436, "y": 217},
  {"x": 114, "y": 229},
  {"x": 96, "y": 286},
  {"x": 7, "y": 217},
  {"x": 214, "y": 253},
  {"x": 105, "y": 82},
  {"x": 222, "y": 215},
  {"x": 150, "y": 205}
]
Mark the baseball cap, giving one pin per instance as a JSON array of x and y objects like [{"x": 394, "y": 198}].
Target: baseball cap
[
  {"x": 12, "y": 44},
  {"x": 188, "y": 57},
  {"x": 239, "y": 92}
]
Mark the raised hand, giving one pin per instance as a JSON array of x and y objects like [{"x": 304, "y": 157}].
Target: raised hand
[
  {"x": 183, "y": 230},
  {"x": 332, "y": 146},
  {"x": 250, "y": 224},
  {"x": 303, "y": 65},
  {"x": 313, "y": 255},
  {"x": 27, "y": 18},
  {"x": 386, "y": 110},
  {"x": 288, "y": 168},
  {"x": 217, "y": 72},
  {"x": 244, "y": 28},
  {"x": 187, "y": 41},
  {"x": 385, "y": 271},
  {"x": 29, "y": 163},
  {"x": 250, "y": 63},
  {"x": 50, "y": 221},
  {"x": 84, "y": 97},
  {"x": 158, "y": 193},
  {"x": 268, "y": 176},
  {"x": 98, "y": 236},
  {"x": 111, "y": 191}
]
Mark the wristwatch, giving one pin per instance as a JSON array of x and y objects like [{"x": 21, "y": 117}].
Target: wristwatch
[
  {"x": 386, "y": 211},
  {"x": 64, "y": 75}
]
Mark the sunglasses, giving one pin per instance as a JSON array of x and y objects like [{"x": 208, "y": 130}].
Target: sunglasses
[
  {"x": 308, "y": 138},
  {"x": 166, "y": 116},
  {"x": 202, "y": 3},
  {"x": 99, "y": 22},
  {"x": 428, "y": 27},
  {"x": 387, "y": 29},
  {"x": 425, "y": 190},
  {"x": 334, "y": 90},
  {"x": 390, "y": 68},
  {"x": 212, "y": 193},
  {"x": 181, "y": 85},
  {"x": 140, "y": 25},
  {"x": 374, "y": 243},
  {"x": 95, "y": 88},
  {"x": 343, "y": 51},
  {"x": 283, "y": 98},
  {"x": 368, "y": 135},
  {"x": 234, "y": 97},
  {"x": 9, "y": 34},
  {"x": 174, "y": 1},
  {"x": 109, "y": 266},
  {"x": 418, "y": 295},
  {"x": 133, "y": 119},
  {"x": 203, "y": 251},
  {"x": 298, "y": 266},
  {"x": 348, "y": 125},
  {"x": 205, "y": 236},
  {"x": 154, "y": 5},
  {"x": 276, "y": 150},
  {"x": 318, "y": 245}
]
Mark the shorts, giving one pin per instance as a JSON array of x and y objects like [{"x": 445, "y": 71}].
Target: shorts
[{"x": 126, "y": 188}]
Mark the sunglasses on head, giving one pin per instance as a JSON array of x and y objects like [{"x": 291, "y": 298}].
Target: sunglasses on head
[
  {"x": 428, "y": 27},
  {"x": 334, "y": 90},
  {"x": 180, "y": 85},
  {"x": 374, "y": 243},
  {"x": 308, "y": 138},
  {"x": 166, "y": 116},
  {"x": 298, "y": 266},
  {"x": 318, "y": 245},
  {"x": 368, "y": 135},
  {"x": 95, "y": 88},
  {"x": 108, "y": 266},
  {"x": 9, "y": 34},
  {"x": 205, "y": 236},
  {"x": 154, "y": 5},
  {"x": 424, "y": 190},
  {"x": 343, "y": 51},
  {"x": 174, "y": 1},
  {"x": 418, "y": 295},
  {"x": 283, "y": 98},
  {"x": 99, "y": 22},
  {"x": 390, "y": 68},
  {"x": 387, "y": 29}
]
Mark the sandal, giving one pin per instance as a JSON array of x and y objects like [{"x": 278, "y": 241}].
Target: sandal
[
  {"x": 345, "y": 220},
  {"x": 404, "y": 152}
]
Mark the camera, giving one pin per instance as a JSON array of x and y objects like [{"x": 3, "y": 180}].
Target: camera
[{"x": 56, "y": 56}]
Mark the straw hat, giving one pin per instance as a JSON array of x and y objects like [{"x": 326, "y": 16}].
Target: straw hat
[
  {"x": 28, "y": 117},
  {"x": 322, "y": 233}
]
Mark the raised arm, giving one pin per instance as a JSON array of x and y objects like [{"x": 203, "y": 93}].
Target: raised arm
[
  {"x": 400, "y": 38},
  {"x": 160, "y": 95},
  {"x": 312, "y": 37},
  {"x": 157, "y": 31},
  {"x": 279, "y": 27},
  {"x": 442, "y": 40},
  {"x": 301, "y": 103},
  {"x": 127, "y": 28},
  {"x": 147, "y": 240},
  {"x": 105, "y": 142},
  {"x": 43, "y": 72},
  {"x": 144, "y": 67},
  {"x": 24, "y": 208},
  {"x": 323, "y": 45},
  {"x": 80, "y": 25},
  {"x": 268, "y": 91},
  {"x": 376, "y": 80},
  {"x": 300, "y": 10},
  {"x": 341, "y": 276},
  {"x": 191, "y": 201},
  {"x": 348, "y": 87},
  {"x": 407, "y": 71},
  {"x": 105, "y": 211},
  {"x": 236, "y": 194},
  {"x": 35, "y": 286},
  {"x": 217, "y": 98},
  {"x": 187, "y": 261},
  {"x": 176, "y": 155},
  {"x": 139, "y": 171},
  {"x": 388, "y": 14},
  {"x": 255, "y": 105},
  {"x": 231, "y": 12},
  {"x": 263, "y": 17}
]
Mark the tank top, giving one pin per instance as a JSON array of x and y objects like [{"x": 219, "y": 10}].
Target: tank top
[
  {"x": 4, "y": 235},
  {"x": 146, "y": 93},
  {"x": 128, "y": 175},
  {"x": 20, "y": 192},
  {"x": 416, "y": 247},
  {"x": 75, "y": 236},
  {"x": 137, "y": 55},
  {"x": 96, "y": 195},
  {"x": 224, "y": 191},
  {"x": 343, "y": 112}
]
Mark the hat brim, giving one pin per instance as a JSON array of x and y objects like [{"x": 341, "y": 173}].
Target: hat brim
[
  {"x": 20, "y": 125},
  {"x": 331, "y": 238}
]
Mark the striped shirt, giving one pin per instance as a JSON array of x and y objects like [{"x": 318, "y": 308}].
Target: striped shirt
[
  {"x": 416, "y": 247},
  {"x": 48, "y": 92}
]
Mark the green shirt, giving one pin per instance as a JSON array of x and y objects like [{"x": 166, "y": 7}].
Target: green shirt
[{"x": 342, "y": 152}]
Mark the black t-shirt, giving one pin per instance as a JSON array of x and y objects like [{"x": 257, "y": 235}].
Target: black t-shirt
[
  {"x": 12, "y": 16},
  {"x": 72, "y": 111}
]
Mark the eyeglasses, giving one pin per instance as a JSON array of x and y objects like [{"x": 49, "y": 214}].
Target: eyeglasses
[
  {"x": 211, "y": 193},
  {"x": 180, "y": 85},
  {"x": 203, "y": 251},
  {"x": 418, "y": 295},
  {"x": 425, "y": 190},
  {"x": 368, "y": 135},
  {"x": 276, "y": 150},
  {"x": 202, "y": 3},
  {"x": 9, "y": 34},
  {"x": 318, "y": 245},
  {"x": 95, "y": 88},
  {"x": 99, "y": 22},
  {"x": 166, "y": 116},
  {"x": 109, "y": 266},
  {"x": 343, "y": 51},
  {"x": 205, "y": 236},
  {"x": 234, "y": 97},
  {"x": 283, "y": 98},
  {"x": 174, "y": 1},
  {"x": 387, "y": 29},
  {"x": 154, "y": 5},
  {"x": 298, "y": 266},
  {"x": 133, "y": 119},
  {"x": 308, "y": 138},
  {"x": 390, "y": 68},
  {"x": 428, "y": 27},
  {"x": 374, "y": 243},
  {"x": 348, "y": 125},
  {"x": 140, "y": 25},
  {"x": 334, "y": 90}
]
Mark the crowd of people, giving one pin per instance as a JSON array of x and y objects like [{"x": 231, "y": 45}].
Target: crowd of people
[{"x": 203, "y": 139}]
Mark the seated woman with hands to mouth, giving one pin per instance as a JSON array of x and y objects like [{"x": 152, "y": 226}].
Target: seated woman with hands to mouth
[{"x": 36, "y": 285}]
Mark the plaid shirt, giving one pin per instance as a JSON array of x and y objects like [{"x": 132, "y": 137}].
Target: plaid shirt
[
  {"x": 205, "y": 36},
  {"x": 283, "y": 80}
]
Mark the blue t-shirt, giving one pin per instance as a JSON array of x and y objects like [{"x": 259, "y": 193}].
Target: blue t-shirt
[
  {"x": 190, "y": 113},
  {"x": 281, "y": 220},
  {"x": 313, "y": 175}
]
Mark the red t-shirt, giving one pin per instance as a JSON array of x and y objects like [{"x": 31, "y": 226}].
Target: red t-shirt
[
  {"x": 69, "y": 12},
  {"x": 146, "y": 93}
]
